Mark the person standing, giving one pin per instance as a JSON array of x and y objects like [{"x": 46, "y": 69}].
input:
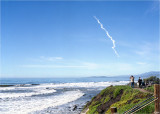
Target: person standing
[
  {"x": 140, "y": 82},
  {"x": 132, "y": 81}
]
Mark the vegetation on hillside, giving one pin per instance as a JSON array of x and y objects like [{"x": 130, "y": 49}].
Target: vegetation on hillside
[
  {"x": 150, "y": 88},
  {"x": 122, "y": 97},
  {"x": 152, "y": 79}
]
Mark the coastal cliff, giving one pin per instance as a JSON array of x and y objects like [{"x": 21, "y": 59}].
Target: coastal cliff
[{"x": 122, "y": 97}]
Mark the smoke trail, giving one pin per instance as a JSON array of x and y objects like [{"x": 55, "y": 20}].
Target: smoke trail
[{"x": 113, "y": 41}]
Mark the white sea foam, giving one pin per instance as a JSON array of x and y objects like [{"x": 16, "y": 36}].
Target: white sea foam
[
  {"x": 24, "y": 106},
  {"x": 42, "y": 89},
  {"x": 7, "y": 88},
  {"x": 27, "y": 91},
  {"x": 84, "y": 84},
  {"x": 36, "y": 92}
]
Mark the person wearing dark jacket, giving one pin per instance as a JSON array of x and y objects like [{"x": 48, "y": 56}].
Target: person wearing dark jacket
[{"x": 140, "y": 82}]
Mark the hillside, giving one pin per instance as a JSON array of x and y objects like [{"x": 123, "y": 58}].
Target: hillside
[
  {"x": 122, "y": 97},
  {"x": 148, "y": 74},
  {"x": 142, "y": 75}
]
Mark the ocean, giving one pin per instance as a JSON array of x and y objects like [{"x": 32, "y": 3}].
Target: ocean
[{"x": 51, "y": 95}]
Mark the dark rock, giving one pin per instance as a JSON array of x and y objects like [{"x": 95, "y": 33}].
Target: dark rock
[{"x": 74, "y": 107}]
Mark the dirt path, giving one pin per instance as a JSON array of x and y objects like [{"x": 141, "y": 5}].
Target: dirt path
[{"x": 143, "y": 90}]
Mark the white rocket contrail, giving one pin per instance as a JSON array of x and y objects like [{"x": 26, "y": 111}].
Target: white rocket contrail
[{"x": 107, "y": 35}]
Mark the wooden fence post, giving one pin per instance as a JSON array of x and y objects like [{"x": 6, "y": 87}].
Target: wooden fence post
[
  {"x": 157, "y": 95},
  {"x": 113, "y": 110}
]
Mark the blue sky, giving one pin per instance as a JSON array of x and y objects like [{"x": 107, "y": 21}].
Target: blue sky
[{"x": 63, "y": 39}]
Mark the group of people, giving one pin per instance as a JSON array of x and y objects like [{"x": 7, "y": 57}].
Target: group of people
[{"x": 139, "y": 82}]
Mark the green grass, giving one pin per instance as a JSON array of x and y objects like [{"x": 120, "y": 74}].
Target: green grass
[
  {"x": 150, "y": 89},
  {"x": 129, "y": 98},
  {"x": 93, "y": 109},
  {"x": 106, "y": 99}
]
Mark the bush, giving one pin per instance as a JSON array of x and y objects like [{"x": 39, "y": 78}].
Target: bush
[
  {"x": 152, "y": 79},
  {"x": 150, "y": 89}
]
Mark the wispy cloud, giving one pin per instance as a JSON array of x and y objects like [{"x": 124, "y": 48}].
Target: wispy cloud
[
  {"x": 123, "y": 67},
  {"x": 85, "y": 65},
  {"x": 153, "y": 7},
  {"x": 141, "y": 63},
  {"x": 51, "y": 66},
  {"x": 50, "y": 58},
  {"x": 144, "y": 49},
  {"x": 91, "y": 65},
  {"x": 45, "y": 59}
]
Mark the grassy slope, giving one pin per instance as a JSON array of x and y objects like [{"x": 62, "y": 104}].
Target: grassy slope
[
  {"x": 122, "y": 97},
  {"x": 151, "y": 88}
]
